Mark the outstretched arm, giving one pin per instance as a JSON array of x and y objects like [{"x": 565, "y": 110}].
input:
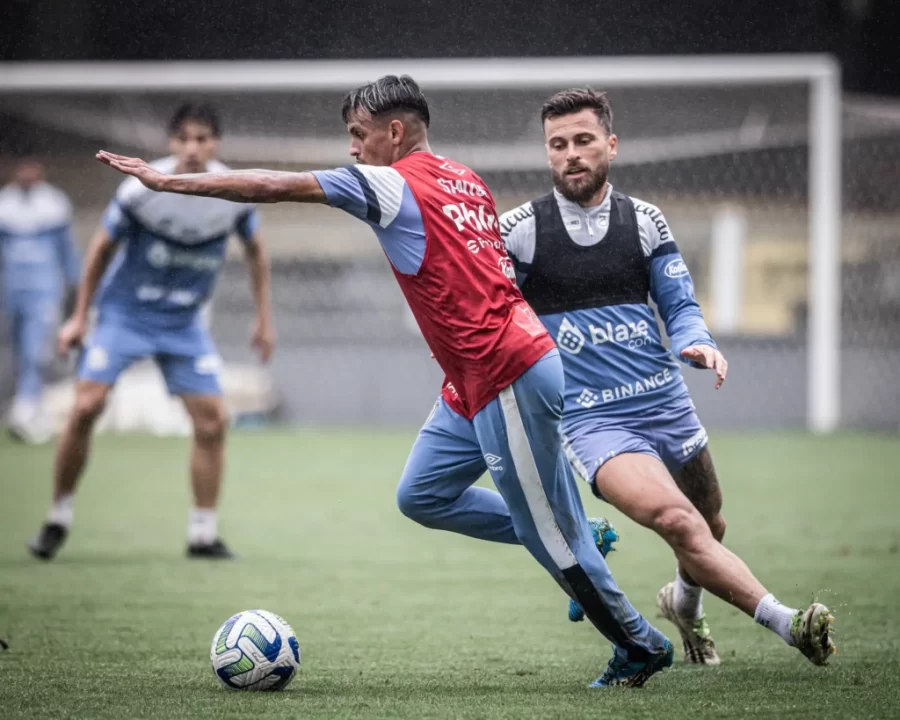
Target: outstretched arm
[{"x": 251, "y": 186}]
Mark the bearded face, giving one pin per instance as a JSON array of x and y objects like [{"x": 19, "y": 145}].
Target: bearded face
[{"x": 579, "y": 151}]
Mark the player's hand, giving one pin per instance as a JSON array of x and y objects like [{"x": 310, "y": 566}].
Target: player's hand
[
  {"x": 710, "y": 358},
  {"x": 71, "y": 334},
  {"x": 263, "y": 339},
  {"x": 153, "y": 179}
]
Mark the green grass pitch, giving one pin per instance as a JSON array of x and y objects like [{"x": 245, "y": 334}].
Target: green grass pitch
[{"x": 396, "y": 621}]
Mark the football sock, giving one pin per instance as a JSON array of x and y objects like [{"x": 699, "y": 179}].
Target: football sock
[
  {"x": 202, "y": 526},
  {"x": 688, "y": 598},
  {"x": 777, "y": 617},
  {"x": 62, "y": 511}
]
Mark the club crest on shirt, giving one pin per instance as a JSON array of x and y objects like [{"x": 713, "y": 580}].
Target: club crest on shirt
[
  {"x": 526, "y": 319},
  {"x": 506, "y": 266}
]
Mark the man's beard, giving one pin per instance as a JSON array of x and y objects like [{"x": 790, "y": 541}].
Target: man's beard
[{"x": 582, "y": 189}]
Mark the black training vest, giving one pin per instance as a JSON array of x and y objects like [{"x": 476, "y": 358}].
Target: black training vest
[{"x": 565, "y": 276}]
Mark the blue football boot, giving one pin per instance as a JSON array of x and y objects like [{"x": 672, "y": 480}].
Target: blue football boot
[
  {"x": 604, "y": 535},
  {"x": 622, "y": 672}
]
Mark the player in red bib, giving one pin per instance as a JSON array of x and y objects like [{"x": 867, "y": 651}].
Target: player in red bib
[{"x": 502, "y": 398}]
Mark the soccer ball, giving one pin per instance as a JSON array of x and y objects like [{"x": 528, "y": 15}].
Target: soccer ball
[{"x": 255, "y": 650}]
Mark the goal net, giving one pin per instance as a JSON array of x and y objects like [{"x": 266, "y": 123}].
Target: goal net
[{"x": 781, "y": 194}]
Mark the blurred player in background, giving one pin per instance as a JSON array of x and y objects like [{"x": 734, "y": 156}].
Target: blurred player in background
[
  {"x": 40, "y": 262},
  {"x": 149, "y": 305},
  {"x": 502, "y": 400},
  {"x": 588, "y": 259}
]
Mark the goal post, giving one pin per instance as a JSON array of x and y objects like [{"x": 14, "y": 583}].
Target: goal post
[{"x": 820, "y": 73}]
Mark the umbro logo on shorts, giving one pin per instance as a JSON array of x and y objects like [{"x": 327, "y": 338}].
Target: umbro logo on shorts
[{"x": 493, "y": 462}]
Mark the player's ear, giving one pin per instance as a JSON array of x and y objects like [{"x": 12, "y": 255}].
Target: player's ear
[
  {"x": 397, "y": 132},
  {"x": 613, "y": 147}
]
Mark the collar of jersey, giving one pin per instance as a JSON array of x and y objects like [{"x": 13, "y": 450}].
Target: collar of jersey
[{"x": 566, "y": 204}]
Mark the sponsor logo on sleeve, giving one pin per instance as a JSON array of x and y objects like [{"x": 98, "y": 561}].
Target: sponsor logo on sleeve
[{"x": 676, "y": 268}]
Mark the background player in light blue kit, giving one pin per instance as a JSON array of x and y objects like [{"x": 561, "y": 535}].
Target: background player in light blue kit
[
  {"x": 39, "y": 263},
  {"x": 589, "y": 259},
  {"x": 159, "y": 256}
]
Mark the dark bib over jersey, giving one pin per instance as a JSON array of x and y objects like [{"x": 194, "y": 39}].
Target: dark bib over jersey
[
  {"x": 565, "y": 276},
  {"x": 594, "y": 300}
]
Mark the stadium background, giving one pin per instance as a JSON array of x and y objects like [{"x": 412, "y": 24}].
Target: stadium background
[
  {"x": 395, "y": 620},
  {"x": 348, "y": 353}
]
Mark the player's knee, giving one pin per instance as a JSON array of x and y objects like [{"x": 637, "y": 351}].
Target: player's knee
[
  {"x": 413, "y": 503},
  {"x": 717, "y": 526},
  {"x": 88, "y": 406},
  {"x": 528, "y": 537},
  {"x": 407, "y": 501},
  {"x": 211, "y": 425},
  {"x": 679, "y": 526}
]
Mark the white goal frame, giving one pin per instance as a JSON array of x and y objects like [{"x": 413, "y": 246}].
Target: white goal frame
[{"x": 820, "y": 72}]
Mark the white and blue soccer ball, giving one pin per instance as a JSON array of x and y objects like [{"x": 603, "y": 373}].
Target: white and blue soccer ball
[{"x": 255, "y": 650}]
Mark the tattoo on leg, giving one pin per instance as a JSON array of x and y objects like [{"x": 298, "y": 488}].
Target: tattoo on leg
[{"x": 698, "y": 481}]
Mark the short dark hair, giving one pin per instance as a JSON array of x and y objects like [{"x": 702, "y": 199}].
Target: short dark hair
[
  {"x": 201, "y": 114},
  {"x": 573, "y": 100},
  {"x": 387, "y": 94}
]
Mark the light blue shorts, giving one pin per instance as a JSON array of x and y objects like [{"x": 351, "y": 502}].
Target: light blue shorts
[
  {"x": 186, "y": 356},
  {"x": 672, "y": 433}
]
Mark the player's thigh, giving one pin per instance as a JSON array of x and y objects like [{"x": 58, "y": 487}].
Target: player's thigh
[
  {"x": 589, "y": 446},
  {"x": 520, "y": 429},
  {"x": 528, "y": 414},
  {"x": 519, "y": 435},
  {"x": 641, "y": 487},
  {"x": 445, "y": 459},
  {"x": 677, "y": 434},
  {"x": 110, "y": 349},
  {"x": 682, "y": 443},
  {"x": 189, "y": 362},
  {"x": 697, "y": 479}
]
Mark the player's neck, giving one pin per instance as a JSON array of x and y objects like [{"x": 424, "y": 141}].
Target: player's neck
[
  {"x": 597, "y": 198},
  {"x": 416, "y": 147}
]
